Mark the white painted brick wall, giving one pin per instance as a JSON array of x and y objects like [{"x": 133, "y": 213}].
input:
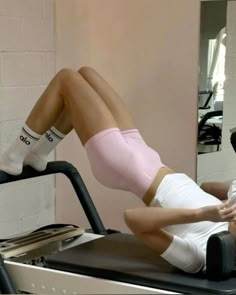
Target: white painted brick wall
[
  {"x": 21, "y": 69},
  {"x": 37, "y": 35},
  {"x": 10, "y": 29},
  {"x": 27, "y": 63},
  {"x": 222, "y": 165}
]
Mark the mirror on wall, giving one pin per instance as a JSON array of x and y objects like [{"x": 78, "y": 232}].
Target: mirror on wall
[{"x": 213, "y": 37}]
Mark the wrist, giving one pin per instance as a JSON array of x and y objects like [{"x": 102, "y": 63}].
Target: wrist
[
  {"x": 194, "y": 215},
  {"x": 199, "y": 214}
]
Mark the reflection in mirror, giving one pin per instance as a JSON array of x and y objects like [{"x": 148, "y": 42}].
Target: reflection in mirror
[{"x": 211, "y": 75}]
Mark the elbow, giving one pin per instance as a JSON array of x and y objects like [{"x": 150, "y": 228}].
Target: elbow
[
  {"x": 130, "y": 220},
  {"x": 128, "y": 217},
  {"x": 134, "y": 221}
]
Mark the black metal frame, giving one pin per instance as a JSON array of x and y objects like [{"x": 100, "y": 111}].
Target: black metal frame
[
  {"x": 81, "y": 191},
  {"x": 6, "y": 285}
]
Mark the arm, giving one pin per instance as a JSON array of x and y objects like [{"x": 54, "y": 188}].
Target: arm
[
  {"x": 150, "y": 218},
  {"x": 217, "y": 189}
]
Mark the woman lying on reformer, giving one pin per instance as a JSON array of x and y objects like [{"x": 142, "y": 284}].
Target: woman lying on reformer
[{"x": 179, "y": 217}]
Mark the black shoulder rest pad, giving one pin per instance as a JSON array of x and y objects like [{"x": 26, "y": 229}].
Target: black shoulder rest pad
[{"x": 220, "y": 256}]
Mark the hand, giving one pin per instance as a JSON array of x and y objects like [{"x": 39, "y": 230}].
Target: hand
[{"x": 219, "y": 213}]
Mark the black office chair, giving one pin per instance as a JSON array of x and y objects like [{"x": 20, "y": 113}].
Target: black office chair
[
  {"x": 233, "y": 140},
  {"x": 209, "y": 94},
  {"x": 210, "y": 134}
]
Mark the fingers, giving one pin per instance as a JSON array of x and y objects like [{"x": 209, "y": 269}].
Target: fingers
[
  {"x": 227, "y": 213},
  {"x": 223, "y": 205}
]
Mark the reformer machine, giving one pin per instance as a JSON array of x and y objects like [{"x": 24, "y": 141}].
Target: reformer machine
[{"x": 65, "y": 259}]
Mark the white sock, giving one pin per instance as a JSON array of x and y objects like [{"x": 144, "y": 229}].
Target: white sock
[
  {"x": 12, "y": 160},
  {"x": 38, "y": 158}
]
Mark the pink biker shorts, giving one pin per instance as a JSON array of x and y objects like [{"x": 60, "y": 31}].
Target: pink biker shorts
[{"x": 122, "y": 160}]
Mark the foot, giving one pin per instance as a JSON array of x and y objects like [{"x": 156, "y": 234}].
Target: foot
[
  {"x": 11, "y": 165},
  {"x": 36, "y": 161}
]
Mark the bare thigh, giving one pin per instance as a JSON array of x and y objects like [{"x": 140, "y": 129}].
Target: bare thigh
[
  {"x": 88, "y": 113},
  {"x": 70, "y": 101},
  {"x": 112, "y": 100}
]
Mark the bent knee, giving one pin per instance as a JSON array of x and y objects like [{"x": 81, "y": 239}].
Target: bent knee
[
  {"x": 65, "y": 73},
  {"x": 66, "y": 78},
  {"x": 86, "y": 71}
]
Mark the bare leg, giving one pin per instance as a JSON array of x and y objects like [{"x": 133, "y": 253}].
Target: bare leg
[
  {"x": 63, "y": 123},
  {"x": 112, "y": 100},
  {"x": 39, "y": 154},
  {"x": 38, "y": 158},
  {"x": 70, "y": 92},
  {"x": 68, "y": 101}
]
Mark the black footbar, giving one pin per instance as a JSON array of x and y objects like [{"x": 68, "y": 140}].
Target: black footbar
[
  {"x": 6, "y": 284},
  {"x": 77, "y": 182}
]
